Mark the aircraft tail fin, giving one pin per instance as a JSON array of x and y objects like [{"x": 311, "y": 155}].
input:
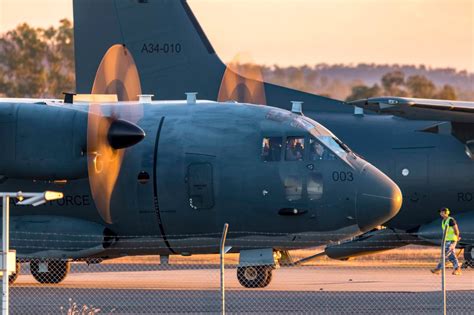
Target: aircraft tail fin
[
  {"x": 171, "y": 51},
  {"x": 169, "y": 47}
]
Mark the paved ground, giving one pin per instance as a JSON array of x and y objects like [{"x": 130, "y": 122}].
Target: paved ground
[{"x": 131, "y": 289}]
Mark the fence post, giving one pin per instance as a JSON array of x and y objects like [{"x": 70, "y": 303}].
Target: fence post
[
  {"x": 443, "y": 267},
  {"x": 222, "y": 253},
  {"x": 5, "y": 252}
]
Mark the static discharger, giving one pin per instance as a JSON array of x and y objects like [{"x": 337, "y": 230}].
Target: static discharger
[
  {"x": 191, "y": 97},
  {"x": 297, "y": 107}
]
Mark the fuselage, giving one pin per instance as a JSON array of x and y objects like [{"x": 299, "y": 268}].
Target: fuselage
[
  {"x": 277, "y": 178},
  {"x": 432, "y": 170}
]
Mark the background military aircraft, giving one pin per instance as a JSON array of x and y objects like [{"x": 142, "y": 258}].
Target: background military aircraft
[
  {"x": 144, "y": 177},
  {"x": 425, "y": 149}
]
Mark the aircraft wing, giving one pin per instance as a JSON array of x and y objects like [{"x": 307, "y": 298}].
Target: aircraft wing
[{"x": 420, "y": 109}]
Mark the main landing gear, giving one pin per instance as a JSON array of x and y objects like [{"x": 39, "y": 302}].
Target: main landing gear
[
  {"x": 12, "y": 278},
  {"x": 468, "y": 257},
  {"x": 49, "y": 271}
]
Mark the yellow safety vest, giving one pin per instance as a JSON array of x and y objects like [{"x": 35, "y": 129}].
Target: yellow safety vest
[{"x": 450, "y": 236}]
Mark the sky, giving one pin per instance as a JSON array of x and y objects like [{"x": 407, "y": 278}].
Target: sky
[{"x": 437, "y": 33}]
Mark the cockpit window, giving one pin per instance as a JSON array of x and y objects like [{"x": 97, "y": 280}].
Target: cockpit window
[
  {"x": 294, "y": 149},
  {"x": 335, "y": 145},
  {"x": 319, "y": 152},
  {"x": 271, "y": 149}
]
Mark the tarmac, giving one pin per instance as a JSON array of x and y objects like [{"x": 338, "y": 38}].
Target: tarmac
[{"x": 152, "y": 289}]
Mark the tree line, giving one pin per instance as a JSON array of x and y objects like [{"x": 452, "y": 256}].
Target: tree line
[
  {"x": 39, "y": 62},
  {"x": 395, "y": 84}
]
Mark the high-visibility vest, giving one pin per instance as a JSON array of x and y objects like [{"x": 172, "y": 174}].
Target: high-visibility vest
[{"x": 450, "y": 236}]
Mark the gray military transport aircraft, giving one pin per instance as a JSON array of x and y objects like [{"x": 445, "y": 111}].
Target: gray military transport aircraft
[
  {"x": 162, "y": 177},
  {"x": 425, "y": 146}
]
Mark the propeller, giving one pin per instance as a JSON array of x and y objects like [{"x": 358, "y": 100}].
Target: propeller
[
  {"x": 111, "y": 130},
  {"x": 118, "y": 74},
  {"x": 242, "y": 82}
]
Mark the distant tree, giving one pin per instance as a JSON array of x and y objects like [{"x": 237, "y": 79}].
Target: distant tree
[
  {"x": 420, "y": 86},
  {"x": 393, "y": 83},
  {"x": 447, "y": 92},
  {"x": 60, "y": 57},
  {"x": 363, "y": 91},
  {"x": 21, "y": 62},
  {"x": 36, "y": 62}
]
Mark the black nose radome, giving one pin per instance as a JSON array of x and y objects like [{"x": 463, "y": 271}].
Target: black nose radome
[
  {"x": 123, "y": 134},
  {"x": 378, "y": 199}
]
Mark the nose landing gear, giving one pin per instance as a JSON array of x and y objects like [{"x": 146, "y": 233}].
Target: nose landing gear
[
  {"x": 256, "y": 267},
  {"x": 255, "y": 276}
]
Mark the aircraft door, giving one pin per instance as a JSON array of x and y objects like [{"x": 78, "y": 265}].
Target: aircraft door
[
  {"x": 200, "y": 186},
  {"x": 411, "y": 174}
]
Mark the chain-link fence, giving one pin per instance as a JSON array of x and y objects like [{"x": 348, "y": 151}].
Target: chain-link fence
[{"x": 398, "y": 281}]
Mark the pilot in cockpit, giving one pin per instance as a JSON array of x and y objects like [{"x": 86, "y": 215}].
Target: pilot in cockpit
[{"x": 319, "y": 152}]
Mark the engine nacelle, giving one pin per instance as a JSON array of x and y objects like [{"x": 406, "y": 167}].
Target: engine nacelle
[
  {"x": 43, "y": 236},
  {"x": 42, "y": 142}
]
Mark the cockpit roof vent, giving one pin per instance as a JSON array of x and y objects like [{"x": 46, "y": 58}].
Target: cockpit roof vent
[
  {"x": 297, "y": 107},
  {"x": 191, "y": 97},
  {"x": 145, "y": 98}
]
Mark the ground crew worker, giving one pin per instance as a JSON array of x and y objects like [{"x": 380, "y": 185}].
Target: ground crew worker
[{"x": 452, "y": 237}]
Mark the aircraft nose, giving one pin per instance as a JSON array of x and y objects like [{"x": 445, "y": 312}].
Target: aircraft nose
[{"x": 378, "y": 199}]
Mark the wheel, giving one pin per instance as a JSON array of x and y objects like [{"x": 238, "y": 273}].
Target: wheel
[
  {"x": 254, "y": 276},
  {"x": 51, "y": 271},
  {"x": 468, "y": 257},
  {"x": 12, "y": 278}
]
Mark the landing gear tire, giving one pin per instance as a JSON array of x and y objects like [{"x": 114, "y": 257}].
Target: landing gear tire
[
  {"x": 254, "y": 276},
  {"x": 468, "y": 257},
  {"x": 51, "y": 271},
  {"x": 12, "y": 278}
]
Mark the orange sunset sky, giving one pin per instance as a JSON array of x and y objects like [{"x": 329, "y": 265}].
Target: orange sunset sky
[{"x": 437, "y": 33}]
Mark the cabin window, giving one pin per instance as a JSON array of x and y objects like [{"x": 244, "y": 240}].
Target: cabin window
[
  {"x": 271, "y": 149},
  {"x": 317, "y": 151},
  {"x": 315, "y": 186},
  {"x": 293, "y": 188},
  {"x": 294, "y": 150}
]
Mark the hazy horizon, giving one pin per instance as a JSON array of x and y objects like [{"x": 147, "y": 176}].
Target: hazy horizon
[{"x": 434, "y": 33}]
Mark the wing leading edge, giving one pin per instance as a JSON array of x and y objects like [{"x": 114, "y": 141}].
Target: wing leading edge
[{"x": 420, "y": 109}]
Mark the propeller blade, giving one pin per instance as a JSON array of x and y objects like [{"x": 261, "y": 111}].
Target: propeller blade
[
  {"x": 108, "y": 135},
  {"x": 103, "y": 161},
  {"x": 242, "y": 82},
  {"x": 118, "y": 74}
]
